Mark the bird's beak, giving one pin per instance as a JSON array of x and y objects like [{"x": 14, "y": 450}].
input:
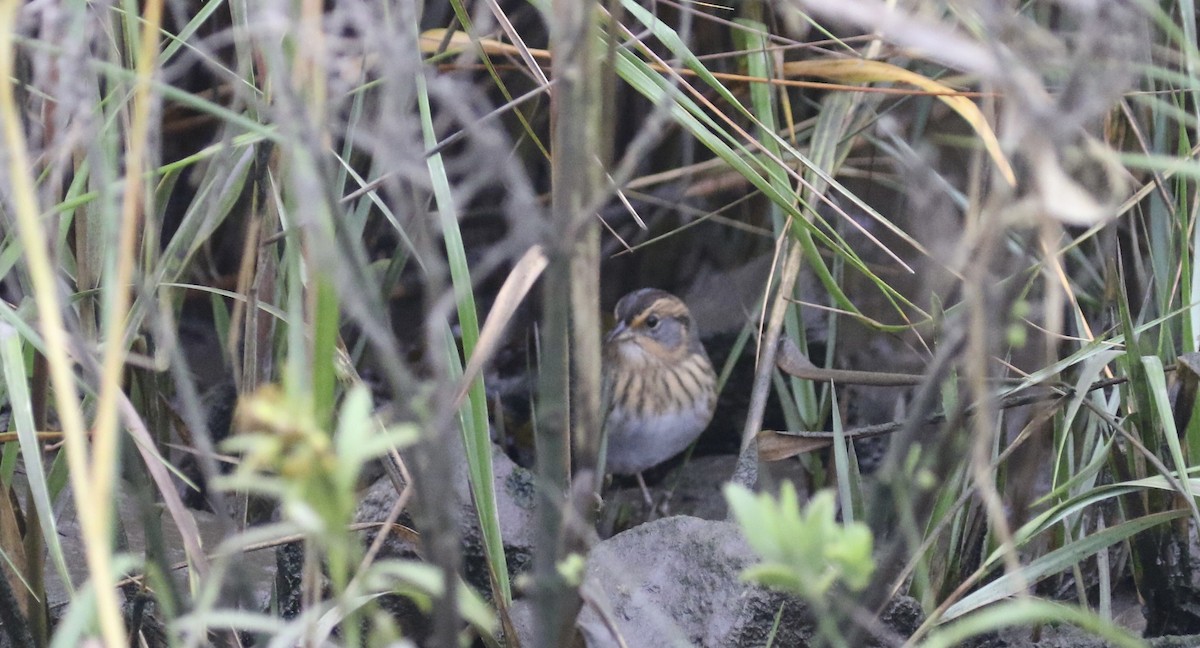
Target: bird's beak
[{"x": 617, "y": 331}]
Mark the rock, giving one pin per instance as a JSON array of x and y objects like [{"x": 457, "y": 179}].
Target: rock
[
  {"x": 1175, "y": 642},
  {"x": 697, "y": 487},
  {"x": 677, "y": 581},
  {"x": 694, "y": 489},
  {"x": 522, "y": 616},
  {"x": 903, "y": 616},
  {"x": 514, "y": 504}
]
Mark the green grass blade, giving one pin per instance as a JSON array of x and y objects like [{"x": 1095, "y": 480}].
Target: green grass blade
[
  {"x": 476, "y": 437},
  {"x": 1056, "y": 561},
  {"x": 31, "y": 449},
  {"x": 1157, "y": 382},
  {"x": 1029, "y": 612}
]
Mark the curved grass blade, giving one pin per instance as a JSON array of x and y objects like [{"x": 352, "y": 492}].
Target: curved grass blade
[
  {"x": 867, "y": 71},
  {"x": 1029, "y": 612},
  {"x": 1057, "y": 561}
]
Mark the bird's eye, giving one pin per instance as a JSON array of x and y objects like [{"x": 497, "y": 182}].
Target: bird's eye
[{"x": 652, "y": 322}]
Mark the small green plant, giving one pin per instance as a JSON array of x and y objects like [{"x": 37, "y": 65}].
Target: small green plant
[
  {"x": 313, "y": 474},
  {"x": 804, "y": 551}
]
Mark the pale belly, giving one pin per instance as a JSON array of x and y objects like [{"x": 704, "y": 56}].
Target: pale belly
[{"x": 634, "y": 446}]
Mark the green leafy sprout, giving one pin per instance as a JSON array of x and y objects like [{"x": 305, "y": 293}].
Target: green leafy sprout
[{"x": 805, "y": 551}]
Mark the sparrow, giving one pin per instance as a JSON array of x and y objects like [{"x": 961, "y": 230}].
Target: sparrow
[{"x": 659, "y": 384}]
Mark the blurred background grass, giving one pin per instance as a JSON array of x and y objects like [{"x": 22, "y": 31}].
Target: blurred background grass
[{"x": 294, "y": 205}]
